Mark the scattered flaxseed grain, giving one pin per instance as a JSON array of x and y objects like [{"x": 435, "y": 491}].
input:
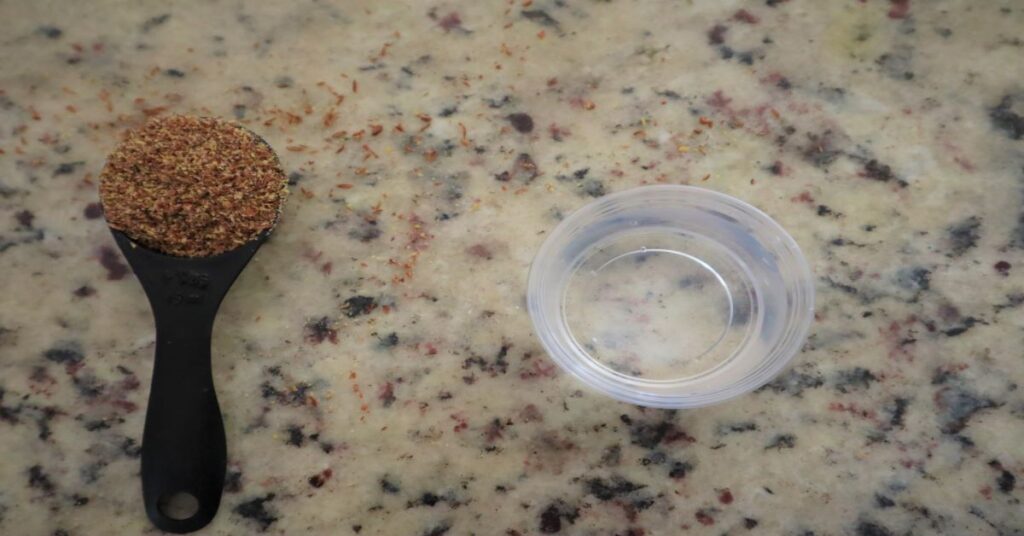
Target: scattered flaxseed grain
[{"x": 192, "y": 186}]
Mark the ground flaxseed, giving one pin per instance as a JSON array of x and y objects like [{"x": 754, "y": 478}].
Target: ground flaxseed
[{"x": 192, "y": 186}]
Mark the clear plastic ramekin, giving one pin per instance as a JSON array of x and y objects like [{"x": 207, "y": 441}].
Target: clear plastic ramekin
[{"x": 671, "y": 296}]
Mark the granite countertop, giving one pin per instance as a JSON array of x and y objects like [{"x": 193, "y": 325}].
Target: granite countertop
[{"x": 375, "y": 363}]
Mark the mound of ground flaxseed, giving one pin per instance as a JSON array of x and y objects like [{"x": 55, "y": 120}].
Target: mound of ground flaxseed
[{"x": 192, "y": 186}]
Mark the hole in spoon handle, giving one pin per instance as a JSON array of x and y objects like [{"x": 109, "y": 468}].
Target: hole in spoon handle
[{"x": 183, "y": 445}]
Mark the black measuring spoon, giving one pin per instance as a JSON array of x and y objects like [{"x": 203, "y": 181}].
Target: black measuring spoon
[{"x": 183, "y": 447}]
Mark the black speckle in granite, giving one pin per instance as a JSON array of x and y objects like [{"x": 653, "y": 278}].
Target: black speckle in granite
[
  {"x": 1006, "y": 116},
  {"x": 88, "y": 385},
  {"x": 679, "y": 470},
  {"x": 960, "y": 329},
  {"x": 255, "y": 510},
  {"x": 855, "y": 379},
  {"x": 1006, "y": 481},
  {"x": 130, "y": 448},
  {"x": 824, "y": 210},
  {"x": 239, "y": 111},
  {"x": 174, "y": 73},
  {"x": 737, "y": 427},
  {"x": 794, "y": 382},
  {"x": 154, "y": 22},
  {"x": 716, "y": 35},
  {"x": 1014, "y": 299},
  {"x": 437, "y": 530},
  {"x": 819, "y": 150},
  {"x": 551, "y": 520},
  {"x": 100, "y": 424},
  {"x": 320, "y": 330},
  {"x": 295, "y": 436},
  {"x": 963, "y": 236},
  {"x": 655, "y": 458},
  {"x": 358, "y": 306},
  {"x": 498, "y": 103},
  {"x": 608, "y": 489},
  {"x": 726, "y": 52},
  {"x": 38, "y": 479},
  {"x": 318, "y": 480},
  {"x": 870, "y": 528},
  {"x": 749, "y": 523},
  {"x": 746, "y": 58},
  {"x": 448, "y": 111},
  {"x": 651, "y": 434},
  {"x": 957, "y": 405},
  {"x": 357, "y": 528},
  {"x": 521, "y": 122},
  {"x": 365, "y": 231},
  {"x": 541, "y": 17},
  {"x": 388, "y": 341},
  {"x": 611, "y": 456},
  {"x": 669, "y": 94},
  {"x": 896, "y": 64},
  {"x": 93, "y": 211},
  {"x": 781, "y": 441},
  {"x": 60, "y": 532},
  {"x": 68, "y": 354},
  {"x": 79, "y": 500},
  {"x": 232, "y": 481},
  {"x": 944, "y": 33},
  {"x": 881, "y": 501},
  {"x": 284, "y": 82},
  {"x": 110, "y": 259},
  {"x": 67, "y": 168},
  {"x": 915, "y": 278},
  {"x": 389, "y": 486},
  {"x": 877, "y": 171},
  {"x": 848, "y": 289},
  {"x": 50, "y": 32},
  {"x": 592, "y": 188},
  {"x": 90, "y": 473},
  {"x": 897, "y": 411},
  {"x": 25, "y": 218}
]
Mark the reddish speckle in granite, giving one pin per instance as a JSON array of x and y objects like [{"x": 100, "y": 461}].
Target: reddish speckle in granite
[
  {"x": 853, "y": 409},
  {"x": 386, "y": 394},
  {"x": 804, "y": 197},
  {"x": 1002, "y": 268},
  {"x": 93, "y": 211},
  {"x": 460, "y": 421},
  {"x": 986, "y": 492},
  {"x": 110, "y": 259},
  {"x": 704, "y": 518},
  {"x": 558, "y": 133},
  {"x": 451, "y": 21},
  {"x": 716, "y": 35},
  {"x": 899, "y": 9},
  {"x": 530, "y": 413},
  {"x": 319, "y": 479},
  {"x": 480, "y": 251},
  {"x": 745, "y": 16},
  {"x": 964, "y": 163},
  {"x": 725, "y": 496},
  {"x": 719, "y": 101},
  {"x": 538, "y": 370},
  {"x": 25, "y": 218}
]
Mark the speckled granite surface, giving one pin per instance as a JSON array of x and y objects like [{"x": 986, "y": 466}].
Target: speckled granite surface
[{"x": 375, "y": 363}]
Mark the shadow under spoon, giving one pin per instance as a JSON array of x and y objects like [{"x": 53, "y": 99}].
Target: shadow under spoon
[{"x": 184, "y": 455}]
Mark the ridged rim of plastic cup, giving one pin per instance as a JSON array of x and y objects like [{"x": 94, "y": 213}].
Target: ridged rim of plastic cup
[{"x": 667, "y": 393}]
